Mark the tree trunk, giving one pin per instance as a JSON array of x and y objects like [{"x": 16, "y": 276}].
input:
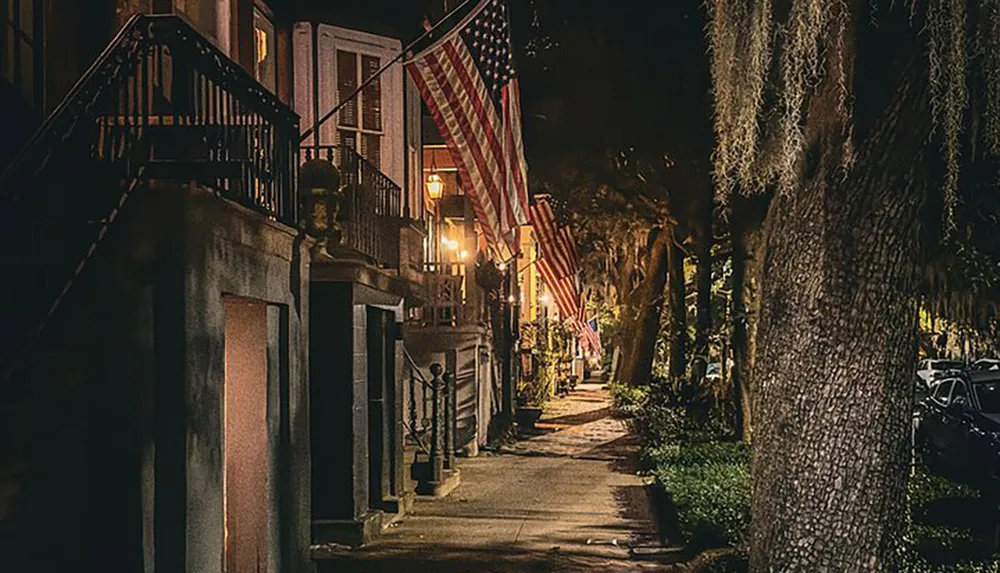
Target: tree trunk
[
  {"x": 647, "y": 303},
  {"x": 678, "y": 311},
  {"x": 738, "y": 342},
  {"x": 832, "y": 379},
  {"x": 703, "y": 318}
]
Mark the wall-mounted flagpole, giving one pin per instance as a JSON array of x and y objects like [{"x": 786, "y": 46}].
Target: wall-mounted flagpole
[{"x": 378, "y": 73}]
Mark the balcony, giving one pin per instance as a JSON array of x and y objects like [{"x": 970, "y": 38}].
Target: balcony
[
  {"x": 450, "y": 303},
  {"x": 362, "y": 215}
]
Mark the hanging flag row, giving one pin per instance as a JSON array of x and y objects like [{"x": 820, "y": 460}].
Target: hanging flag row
[
  {"x": 559, "y": 266},
  {"x": 468, "y": 81}
]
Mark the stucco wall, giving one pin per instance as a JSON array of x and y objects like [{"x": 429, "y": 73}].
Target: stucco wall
[
  {"x": 230, "y": 251},
  {"x": 121, "y": 417}
]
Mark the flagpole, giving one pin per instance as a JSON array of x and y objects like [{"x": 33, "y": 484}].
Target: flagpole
[{"x": 378, "y": 73}]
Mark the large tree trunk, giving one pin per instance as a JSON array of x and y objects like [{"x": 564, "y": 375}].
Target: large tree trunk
[
  {"x": 678, "y": 310},
  {"x": 831, "y": 399},
  {"x": 646, "y": 302},
  {"x": 738, "y": 341}
]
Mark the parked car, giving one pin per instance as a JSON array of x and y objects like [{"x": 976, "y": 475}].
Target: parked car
[
  {"x": 959, "y": 428},
  {"x": 986, "y": 364},
  {"x": 933, "y": 369}
]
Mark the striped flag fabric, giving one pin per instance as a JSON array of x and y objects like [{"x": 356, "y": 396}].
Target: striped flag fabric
[
  {"x": 590, "y": 335},
  {"x": 468, "y": 81},
  {"x": 563, "y": 290},
  {"x": 556, "y": 243},
  {"x": 587, "y": 328}
]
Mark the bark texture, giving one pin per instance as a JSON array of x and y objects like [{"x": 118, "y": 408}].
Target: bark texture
[
  {"x": 835, "y": 345},
  {"x": 678, "y": 310},
  {"x": 738, "y": 341},
  {"x": 646, "y": 304},
  {"x": 703, "y": 317}
]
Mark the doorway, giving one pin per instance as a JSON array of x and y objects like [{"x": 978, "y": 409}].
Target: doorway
[
  {"x": 382, "y": 462},
  {"x": 247, "y": 453}
]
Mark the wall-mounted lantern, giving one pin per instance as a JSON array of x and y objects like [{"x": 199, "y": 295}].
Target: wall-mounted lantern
[{"x": 435, "y": 186}]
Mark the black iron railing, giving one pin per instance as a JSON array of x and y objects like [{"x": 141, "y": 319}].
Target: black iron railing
[
  {"x": 431, "y": 423},
  {"x": 161, "y": 101},
  {"x": 371, "y": 202}
]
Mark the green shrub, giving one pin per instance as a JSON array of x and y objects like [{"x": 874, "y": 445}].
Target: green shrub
[
  {"x": 952, "y": 528},
  {"x": 629, "y": 401},
  {"x": 709, "y": 486}
]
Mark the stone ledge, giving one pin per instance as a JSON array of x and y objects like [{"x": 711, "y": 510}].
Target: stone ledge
[
  {"x": 350, "y": 532},
  {"x": 450, "y": 480}
]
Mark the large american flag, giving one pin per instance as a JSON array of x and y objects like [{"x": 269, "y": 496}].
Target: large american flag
[
  {"x": 555, "y": 242},
  {"x": 563, "y": 290},
  {"x": 467, "y": 80}
]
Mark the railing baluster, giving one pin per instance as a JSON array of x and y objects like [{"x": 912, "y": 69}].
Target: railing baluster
[
  {"x": 449, "y": 421},
  {"x": 436, "y": 457}
]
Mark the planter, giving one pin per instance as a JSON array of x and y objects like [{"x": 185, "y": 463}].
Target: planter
[{"x": 527, "y": 416}]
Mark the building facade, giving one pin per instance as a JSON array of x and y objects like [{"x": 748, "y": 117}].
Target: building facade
[{"x": 224, "y": 305}]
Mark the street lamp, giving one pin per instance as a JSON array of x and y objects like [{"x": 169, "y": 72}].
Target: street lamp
[{"x": 435, "y": 190}]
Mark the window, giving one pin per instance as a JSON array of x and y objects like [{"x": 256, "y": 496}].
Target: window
[
  {"x": 359, "y": 127},
  {"x": 20, "y": 46},
  {"x": 988, "y": 394},
  {"x": 264, "y": 57},
  {"x": 959, "y": 391},
  {"x": 941, "y": 392}
]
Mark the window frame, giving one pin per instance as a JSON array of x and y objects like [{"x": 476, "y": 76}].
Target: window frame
[
  {"x": 20, "y": 39},
  {"x": 360, "y": 130},
  {"x": 947, "y": 398},
  {"x": 267, "y": 15}
]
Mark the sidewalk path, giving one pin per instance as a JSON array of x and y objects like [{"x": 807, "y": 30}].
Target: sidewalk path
[{"x": 577, "y": 506}]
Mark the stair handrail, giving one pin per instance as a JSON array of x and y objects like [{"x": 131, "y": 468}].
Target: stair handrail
[
  {"x": 138, "y": 31},
  {"x": 74, "y": 97},
  {"x": 105, "y": 78},
  {"x": 415, "y": 368}
]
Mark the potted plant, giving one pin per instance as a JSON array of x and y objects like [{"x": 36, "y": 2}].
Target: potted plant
[{"x": 535, "y": 390}]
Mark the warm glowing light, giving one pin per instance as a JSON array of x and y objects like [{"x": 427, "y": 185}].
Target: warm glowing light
[
  {"x": 510, "y": 299},
  {"x": 435, "y": 186},
  {"x": 545, "y": 298},
  {"x": 502, "y": 266},
  {"x": 449, "y": 244},
  {"x": 462, "y": 255}
]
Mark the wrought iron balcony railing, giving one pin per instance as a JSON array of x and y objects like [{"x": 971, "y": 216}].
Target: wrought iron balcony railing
[{"x": 366, "y": 208}]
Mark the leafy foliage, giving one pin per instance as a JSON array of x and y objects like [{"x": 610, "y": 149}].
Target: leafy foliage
[{"x": 709, "y": 485}]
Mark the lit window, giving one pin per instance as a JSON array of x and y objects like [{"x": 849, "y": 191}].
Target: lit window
[{"x": 263, "y": 31}]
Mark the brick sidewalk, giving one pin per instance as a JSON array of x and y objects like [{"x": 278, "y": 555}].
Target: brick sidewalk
[{"x": 575, "y": 506}]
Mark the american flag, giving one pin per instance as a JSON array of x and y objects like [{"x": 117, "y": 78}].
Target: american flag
[
  {"x": 555, "y": 242},
  {"x": 563, "y": 290},
  {"x": 590, "y": 335},
  {"x": 468, "y": 81},
  {"x": 588, "y": 328}
]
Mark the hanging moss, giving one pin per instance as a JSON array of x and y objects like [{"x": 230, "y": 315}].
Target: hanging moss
[
  {"x": 740, "y": 45},
  {"x": 757, "y": 145},
  {"x": 947, "y": 68},
  {"x": 990, "y": 49}
]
